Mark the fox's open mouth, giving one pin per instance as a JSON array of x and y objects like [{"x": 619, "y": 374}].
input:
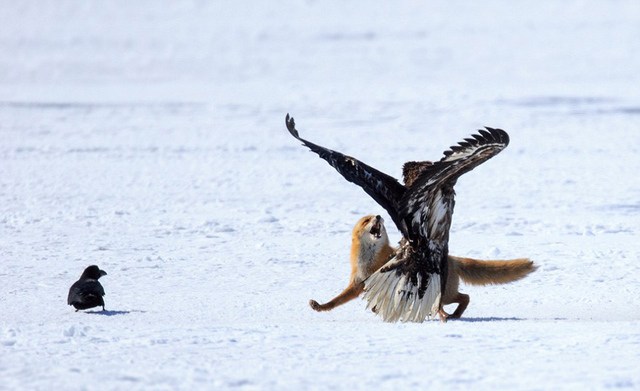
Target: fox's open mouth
[{"x": 375, "y": 229}]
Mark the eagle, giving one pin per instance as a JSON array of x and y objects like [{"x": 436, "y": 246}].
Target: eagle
[{"x": 409, "y": 287}]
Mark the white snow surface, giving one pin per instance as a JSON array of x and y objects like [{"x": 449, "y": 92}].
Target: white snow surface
[{"x": 148, "y": 137}]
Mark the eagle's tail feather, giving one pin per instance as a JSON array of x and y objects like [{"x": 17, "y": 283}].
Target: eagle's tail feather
[
  {"x": 377, "y": 293},
  {"x": 395, "y": 297}
]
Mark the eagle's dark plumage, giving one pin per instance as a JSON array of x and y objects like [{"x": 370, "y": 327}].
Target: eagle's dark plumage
[
  {"x": 410, "y": 285},
  {"x": 87, "y": 292},
  {"x": 384, "y": 189}
]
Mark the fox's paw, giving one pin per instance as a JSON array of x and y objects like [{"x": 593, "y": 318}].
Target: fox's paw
[{"x": 315, "y": 305}]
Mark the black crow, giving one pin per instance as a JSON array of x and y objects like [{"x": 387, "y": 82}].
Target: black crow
[{"x": 87, "y": 292}]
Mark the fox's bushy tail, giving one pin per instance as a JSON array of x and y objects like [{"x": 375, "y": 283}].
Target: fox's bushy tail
[{"x": 476, "y": 272}]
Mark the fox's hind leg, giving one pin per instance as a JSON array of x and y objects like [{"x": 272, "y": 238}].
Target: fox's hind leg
[
  {"x": 348, "y": 294},
  {"x": 463, "y": 302}
]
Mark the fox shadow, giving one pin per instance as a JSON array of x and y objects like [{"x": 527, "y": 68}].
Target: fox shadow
[
  {"x": 499, "y": 319},
  {"x": 487, "y": 319}
]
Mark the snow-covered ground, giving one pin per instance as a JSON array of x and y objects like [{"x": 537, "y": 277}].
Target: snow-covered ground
[{"x": 148, "y": 138}]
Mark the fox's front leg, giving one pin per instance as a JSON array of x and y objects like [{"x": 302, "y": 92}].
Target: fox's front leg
[{"x": 347, "y": 295}]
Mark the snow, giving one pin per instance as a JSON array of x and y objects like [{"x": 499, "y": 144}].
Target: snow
[{"x": 148, "y": 138}]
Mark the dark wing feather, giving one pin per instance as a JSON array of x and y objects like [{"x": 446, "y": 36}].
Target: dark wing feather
[
  {"x": 416, "y": 210},
  {"x": 384, "y": 189},
  {"x": 84, "y": 288}
]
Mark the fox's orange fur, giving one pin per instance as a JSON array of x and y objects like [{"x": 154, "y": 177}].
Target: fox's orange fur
[{"x": 370, "y": 250}]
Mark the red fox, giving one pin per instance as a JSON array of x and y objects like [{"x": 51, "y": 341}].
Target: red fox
[{"x": 370, "y": 250}]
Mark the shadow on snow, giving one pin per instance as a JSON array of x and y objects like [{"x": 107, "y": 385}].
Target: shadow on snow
[
  {"x": 487, "y": 319},
  {"x": 499, "y": 319},
  {"x": 112, "y": 313}
]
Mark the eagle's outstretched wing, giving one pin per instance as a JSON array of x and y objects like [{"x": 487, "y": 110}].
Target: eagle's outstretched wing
[
  {"x": 417, "y": 210},
  {"x": 383, "y": 188},
  {"x": 410, "y": 286}
]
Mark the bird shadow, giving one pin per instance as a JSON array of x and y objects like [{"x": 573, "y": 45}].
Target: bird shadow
[{"x": 112, "y": 313}]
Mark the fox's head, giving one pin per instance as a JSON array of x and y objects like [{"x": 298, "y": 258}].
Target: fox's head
[{"x": 370, "y": 230}]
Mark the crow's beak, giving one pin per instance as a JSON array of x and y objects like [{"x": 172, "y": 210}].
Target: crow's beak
[{"x": 102, "y": 273}]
